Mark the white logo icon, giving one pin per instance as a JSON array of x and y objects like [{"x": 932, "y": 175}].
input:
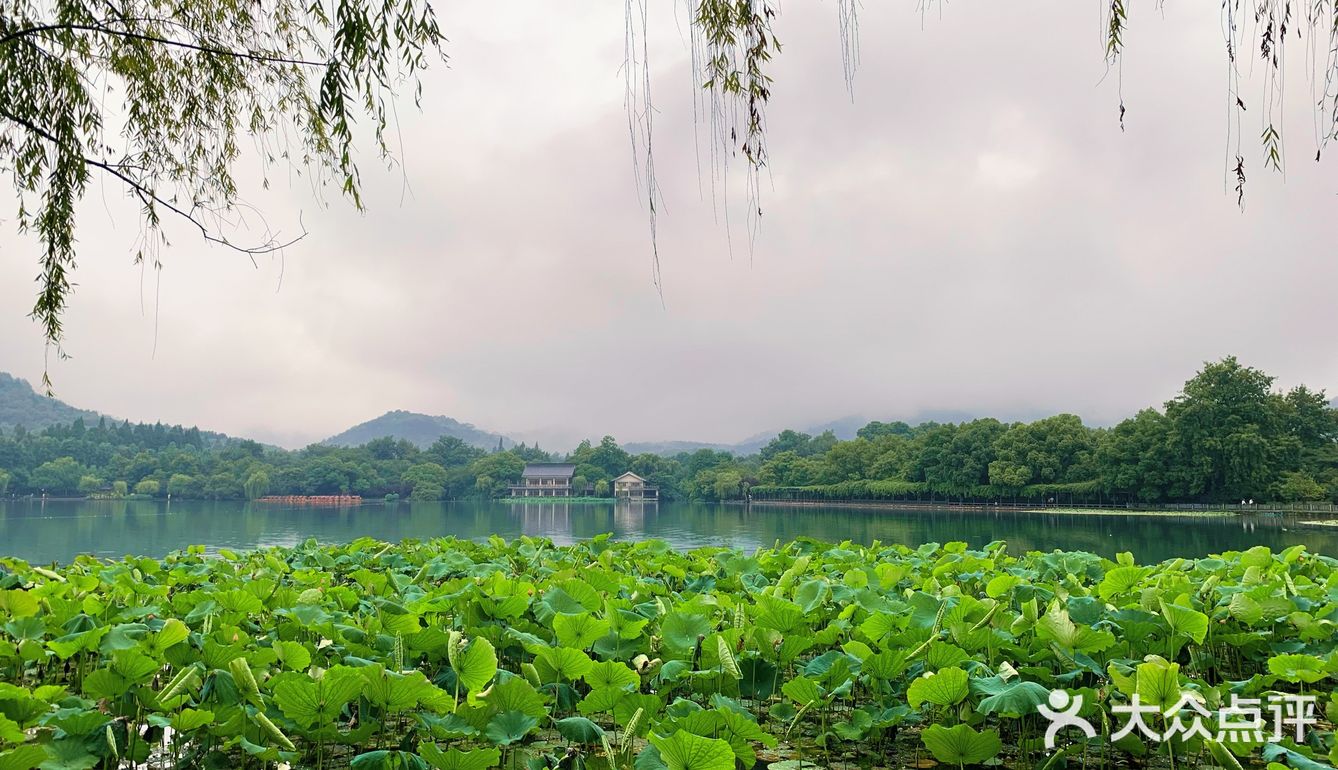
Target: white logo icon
[{"x": 1063, "y": 712}]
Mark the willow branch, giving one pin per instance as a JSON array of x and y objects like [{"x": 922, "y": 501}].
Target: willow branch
[
  {"x": 249, "y": 55},
  {"x": 149, "y": 197}
]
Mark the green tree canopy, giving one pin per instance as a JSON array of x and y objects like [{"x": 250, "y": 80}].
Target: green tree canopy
[
  {"x": 256, "y": 486},
  {"x": 426, "y": 481},
  {"x": 1224, "y": 428},
  {"x": 59, "y": 476},
  {"x": 89, "y": 484}
]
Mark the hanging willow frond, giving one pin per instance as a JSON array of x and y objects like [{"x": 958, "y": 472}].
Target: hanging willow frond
[{"x": 156, "y": 95}]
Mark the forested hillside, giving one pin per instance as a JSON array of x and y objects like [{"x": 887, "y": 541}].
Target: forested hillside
[
  {"x": 421, "y": 430},
  {"x": 21, "y": 405},
  {"x": 1227, "y": 436}
]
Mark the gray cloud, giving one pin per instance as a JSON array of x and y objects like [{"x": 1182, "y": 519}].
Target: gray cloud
[{"x": 974, "y": 232}]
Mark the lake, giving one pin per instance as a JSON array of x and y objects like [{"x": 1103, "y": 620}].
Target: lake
[{"x": 57, "y": 531}]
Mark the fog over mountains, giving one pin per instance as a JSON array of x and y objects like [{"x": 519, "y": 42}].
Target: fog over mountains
[{"x": 21, "y": 404}]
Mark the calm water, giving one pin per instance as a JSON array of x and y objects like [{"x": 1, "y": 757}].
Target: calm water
[{"x": 59, "y": 531}]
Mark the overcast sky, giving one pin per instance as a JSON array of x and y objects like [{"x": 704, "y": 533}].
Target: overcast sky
[{"x": 972, "y": 233}]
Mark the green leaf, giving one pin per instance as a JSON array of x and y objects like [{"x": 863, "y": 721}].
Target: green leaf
[
  {"x": 172, "y": 633},
  {"x": 516, "y": 694},
  {"x": 509, "y": 726},
  {"x": 1000, "y": 585},
  {"x": 579, "y": 730},
  {"x": 961, "y": 745},
  {"x": 105, "y": 684},
  {"x": 25, "y": 629},
  {"x": 601, "y": 700},
  {"x": 24, "y": 757},
  {"x": 388, "y": 760},
  {"x": 317, "y": 702},
  {"x": 10, "y": 732},
  {"x": 293, "y": 655},
  {"x": 945, "y": 688},
  {"x": 1297, "y": 668},
  {"x": 611, "y": 673},
  {"x": 476, "y": 665},
  {"x": 70, "y": 645},
  {"x": 1258, "y": 556},
  {"x": 454, "y": 759},
  {"x": 681, "y": 632},
  {"x": 1185, "y": 621},
  {"x": 802, "y": 690},
  {"x": 1222, "y": 756},
  {"x": 1015, "y": 699},
  {"x": 579, "y": 631},
  {"x": 71, "y": 754},
  {"x": 1120, "y": 580},
  {"x": 812, "y": 594},
  {"x": 189, "y": 720},
  {"x": 685, "y": 751},
  {"x": 272, "y": 731},
  {"x": 1159, "y": 683},
  {"x": 18, "y": 603},
  {"x": 1295, "y": 759},
  {"x": 1057, "y": 626},
  {"x": 759, "y": 678},
  {"x": 76, "y": 722},
  {"x": 779, "y": 614},
  {"x": 393, "y": 691},
  {"x": 728, "y": 664},
  {"x": 562, "y": 664},
  {"x": 859, "y": 725}
]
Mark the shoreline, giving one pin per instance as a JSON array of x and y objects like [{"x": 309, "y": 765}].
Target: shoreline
[{"x": 1070, "y": 510}]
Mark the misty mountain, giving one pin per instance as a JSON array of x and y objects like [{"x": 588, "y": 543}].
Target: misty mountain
[
  {"x": 419, "y": 429},
  {"x": 671, "y": 448},
  {"x": 21, "y": 405}
]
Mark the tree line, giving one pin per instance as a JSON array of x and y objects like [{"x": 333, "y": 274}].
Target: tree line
[{"x": 1229, "y": 435}]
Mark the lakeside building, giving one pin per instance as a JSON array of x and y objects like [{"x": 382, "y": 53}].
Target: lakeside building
[
  {"x": 546, "y": 480},
  {"x": 559, "y": 480},
  {"x": 630, "y": 486}
]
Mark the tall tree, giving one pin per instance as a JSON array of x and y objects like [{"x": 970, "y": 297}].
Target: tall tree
[
  {"x": 1054, "y": 450},
  {"x": 1224, "y": 427},
  {"x": 1134, "y": 460}
]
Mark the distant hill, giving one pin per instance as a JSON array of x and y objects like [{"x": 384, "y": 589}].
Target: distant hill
[
  {"x": 844, "y": 429},
  {"x": 419, "y": 429},
  {"x": 21, "y": 405},
  {"x": 671, "y": 448}
]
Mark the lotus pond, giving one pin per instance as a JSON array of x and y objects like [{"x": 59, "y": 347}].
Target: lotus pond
[{"x": 463, "y": 655}]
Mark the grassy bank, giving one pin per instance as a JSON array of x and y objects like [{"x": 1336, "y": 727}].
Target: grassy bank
[
  {"x": 1133, "y": 512},
  {"x": 1261, "y": 509},
  {"x": 463, "y": 656}
]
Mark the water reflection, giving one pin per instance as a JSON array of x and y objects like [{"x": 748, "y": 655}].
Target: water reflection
[{"x": 59, "y": 530}]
